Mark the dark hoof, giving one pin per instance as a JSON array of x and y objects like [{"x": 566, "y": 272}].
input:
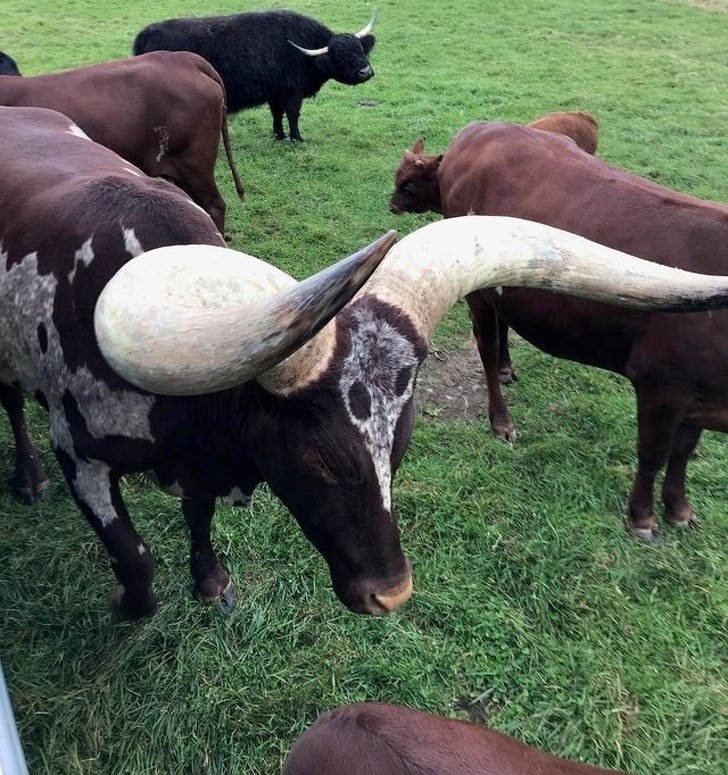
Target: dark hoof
[
  {"x": 507, "y": 377},
  {"x": 648, "y": 535},
  {"x": 506, "y": 432},
  {"x": 29, "y": 494},
  {"x": 225, "y": 600},
  {"x": 693, "y": 523},
  {"x": 129, "y": 608}
]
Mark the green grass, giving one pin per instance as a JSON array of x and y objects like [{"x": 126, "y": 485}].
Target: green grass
[{"x": 533, "y": 607}]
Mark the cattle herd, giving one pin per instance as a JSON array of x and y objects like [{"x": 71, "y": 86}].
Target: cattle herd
[{"x": 157, "y": 349}]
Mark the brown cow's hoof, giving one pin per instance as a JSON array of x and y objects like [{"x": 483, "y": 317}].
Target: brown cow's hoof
[
  {"x": 134, "y": 608},
  {"x": 648, "y": 535},
  {"x": 692, "y": 523},
  {"x": 507, "y": 376},
  {"x": 506, "y": 432},
  {"x": 225, "y": 599},
  {"x": 29, "y": 494}
]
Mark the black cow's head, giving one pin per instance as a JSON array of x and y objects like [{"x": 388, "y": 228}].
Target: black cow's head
[
  {"x": 7, "y": 65},
  {"x": 344, "y": 58}
]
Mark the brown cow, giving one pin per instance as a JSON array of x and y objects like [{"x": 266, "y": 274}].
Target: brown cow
[
  {"x": 379, "y": 739},
  {"x": 581, "y": 127},
  {"x": 417, "y": 190},
  {"x": 163, "y": 112},
  {"x": 676, "y": 365}
]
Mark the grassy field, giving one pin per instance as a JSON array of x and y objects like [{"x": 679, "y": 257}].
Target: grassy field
[{"x": 534, "y": 610}]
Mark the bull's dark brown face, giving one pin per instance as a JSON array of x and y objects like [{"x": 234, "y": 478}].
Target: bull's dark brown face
[
  {"x": 346, "y": 60},
  {"x": 416, "y": 187},
  {"x": 333, "y": 452}
]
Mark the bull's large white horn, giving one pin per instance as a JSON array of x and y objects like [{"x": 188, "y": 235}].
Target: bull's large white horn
[
  {"x": 431, "y": 268},
  {"x": 310, "y": 52},
  {"x": 189, "y": 319},
  {"x": 370, "y": 25}
]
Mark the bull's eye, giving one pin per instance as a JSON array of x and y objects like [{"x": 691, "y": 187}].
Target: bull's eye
[{"x": 359, "y": 401}]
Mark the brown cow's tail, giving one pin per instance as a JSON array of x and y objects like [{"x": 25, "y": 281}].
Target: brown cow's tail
[{"x": 228, "y": 152}]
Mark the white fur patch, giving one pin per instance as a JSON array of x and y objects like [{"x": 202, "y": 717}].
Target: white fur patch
[
  {"x": 236, "y": 497},
  {"x": 163, "y": 134},
  {"x": 379, "y": 353},
  {"x": 84, "y": 255},
  {"x": 132, "y": 244},
  {"x": 74, "y": 129},
  {"x": 27, "y": 300}
]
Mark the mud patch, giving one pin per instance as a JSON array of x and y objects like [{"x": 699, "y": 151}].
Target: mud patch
[{"x": 451, "y": 386}]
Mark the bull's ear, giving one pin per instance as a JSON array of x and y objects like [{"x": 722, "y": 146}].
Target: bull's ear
[
  {"x": 418, "y": 147},
  {"x": 367, "y": 43},
  {"x": 323, "y": 63}
]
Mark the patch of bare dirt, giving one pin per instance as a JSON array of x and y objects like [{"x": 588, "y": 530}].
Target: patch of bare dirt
[{"x": 451, "y": 386}]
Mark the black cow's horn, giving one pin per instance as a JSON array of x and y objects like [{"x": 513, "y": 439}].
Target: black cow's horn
[
  {"x": 310, "y": 52},
  {"x": 190, "y": 319},
  {"x": 370, "y": 25}
]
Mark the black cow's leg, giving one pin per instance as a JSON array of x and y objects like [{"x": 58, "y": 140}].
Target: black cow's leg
[
  {"x": 30, "y": 479},
  {"x": 293, "y": 111},
  {"x": 276, "y": 109},
  {"x": 96, "y": 491},
  {"x": 485, "y": 329},
  {"x": 212, "y": 583},
  {"x": 658, "y": 418},
  {"x": 678, "y": 510}
]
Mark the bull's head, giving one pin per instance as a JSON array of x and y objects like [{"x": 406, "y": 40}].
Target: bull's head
[
  {"x": 416, "y": 186},
  {"x": 345, "y": 57},
  {"x": 334, "y": 419}
]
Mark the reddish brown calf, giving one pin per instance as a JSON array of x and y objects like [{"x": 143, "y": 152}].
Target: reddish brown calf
[
  {"x": 164, "y": 112},
  {"x": 581, "y": 127},
  {"x": 379, "y": 739}
]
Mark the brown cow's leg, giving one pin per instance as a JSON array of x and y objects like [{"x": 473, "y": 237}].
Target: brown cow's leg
[
  {"x": 658, "y": 418},
  {"x": 96, "y": 491},
  {"x": 201, "y": 187},
  {"x": 485, "y": 329},
  {"x": 212, "y": 583},
  {"x": 506, "y": 371},
  {"x": 30, "y": 479},
  {"x": 678, "y": 510}
]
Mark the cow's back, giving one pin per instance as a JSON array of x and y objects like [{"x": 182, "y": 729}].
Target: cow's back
[
  {"x": 364, "y": 738},
  {"x": 507, "y": 169},
  {"x": 126, "y": 105},
  {"x": 250, "y": 51},
  {"x": 71, "y": 213}
]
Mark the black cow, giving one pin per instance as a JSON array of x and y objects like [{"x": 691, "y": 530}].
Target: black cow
[
  {"x": 191, "y": 386},
  {"x": 274, "y": 57},
  {"x": 7, "y": 65}
]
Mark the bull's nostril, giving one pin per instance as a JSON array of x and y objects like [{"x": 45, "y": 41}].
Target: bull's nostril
[{"x": 366, "y": 72}]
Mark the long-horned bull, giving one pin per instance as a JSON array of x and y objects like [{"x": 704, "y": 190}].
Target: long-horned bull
[
  {"x": 274, "y": 57},
  {"x": 196, "y": 398},
  {"x": 364, "y": 738}
]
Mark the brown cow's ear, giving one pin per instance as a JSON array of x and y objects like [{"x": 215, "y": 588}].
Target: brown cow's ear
[{"x": 419, "y": 146}]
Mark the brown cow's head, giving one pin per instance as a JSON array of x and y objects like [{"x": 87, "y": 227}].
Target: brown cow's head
[{"x": 416, "y": 188}]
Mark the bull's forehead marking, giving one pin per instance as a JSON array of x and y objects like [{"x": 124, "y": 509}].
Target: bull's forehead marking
[{"x": 376, "y": 382}]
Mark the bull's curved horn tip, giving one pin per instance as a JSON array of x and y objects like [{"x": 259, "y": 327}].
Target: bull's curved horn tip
[{"x": 369, "y": 26}]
